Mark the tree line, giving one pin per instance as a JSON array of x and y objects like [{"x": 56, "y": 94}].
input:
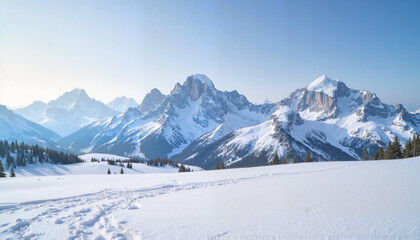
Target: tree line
[
  {"x": 394, "y": 150},
  {"x": 20, "y": 154},
  {"x": 286, "y": 160}
]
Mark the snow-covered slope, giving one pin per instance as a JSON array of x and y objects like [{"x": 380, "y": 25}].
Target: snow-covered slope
[
  {"x": 68, "y": 113},
  {"x": 330, "y": 200},
  {"x": 15, "y": 127},
  {"x": 191, "y": 110},
  {"x": 327, "y": 118},
  {"x": 121, "y": 104}
]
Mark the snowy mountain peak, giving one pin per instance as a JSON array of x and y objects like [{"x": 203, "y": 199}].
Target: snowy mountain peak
[
  {"x": 78, "y": 93},
  {"x": 67, "y": 113},
  {"x": 121, "y": 104},
  {"x": 324, "y": 84},
  {"x": 203, "y": 78},
  {"x": 195, "y": 86},
  {"x": 152, "y": 100},
  {"x": 69, "y": 99},
  {"x": 3, "y": 109}
]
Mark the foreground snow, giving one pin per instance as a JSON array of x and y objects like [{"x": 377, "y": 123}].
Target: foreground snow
[{"x": 350, "y": 200}]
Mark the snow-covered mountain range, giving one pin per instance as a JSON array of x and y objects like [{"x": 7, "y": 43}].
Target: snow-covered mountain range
[
  {"x": 327, "y": 118},
  {"x": 68, "y": 113},
  {"x": 200, "y": 125},
  {"x": 163, "y": 126},
  {"x": 14, "y": 127},
  {"x": 122, "y": 104}
]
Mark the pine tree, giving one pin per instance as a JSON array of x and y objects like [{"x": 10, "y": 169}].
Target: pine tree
[
  {"x": 217, "y": 166},
  {"x": 379, "y": 154},
  {"x": 388, "y": 151},
  {"x": 181, "y": 168},
  {"x": 122, "y": 171},
  {"x": 109, "y": 171},
  {"x": 2, "y": 174},
  {"x": 275, "y": 160},
  {"x": 286, "y": 160},
  {"x": 222, "y": 165},
  {"x": 408, "y": 149},
  {"x": 294, "y": 159},
  {"x": 396, "y": 149},
  {"x": 365, "y": 154},
  {"x": 308, "y": 156},
  {"x": 416, "y": 145},
  {"x": 12, "y": 173},
  {"x": 9, "y": 160}
]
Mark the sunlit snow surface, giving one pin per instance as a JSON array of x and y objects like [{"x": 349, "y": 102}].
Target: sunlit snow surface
[
  {"x": 334, "y": 200},
  {"x": 324, "y": 84}
]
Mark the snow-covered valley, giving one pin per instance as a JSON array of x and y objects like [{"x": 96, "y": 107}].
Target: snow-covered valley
[{"x": 324, "y": 200}]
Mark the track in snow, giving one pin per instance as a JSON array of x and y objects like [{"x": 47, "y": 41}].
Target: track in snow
[{"x": 90, "y": 216}]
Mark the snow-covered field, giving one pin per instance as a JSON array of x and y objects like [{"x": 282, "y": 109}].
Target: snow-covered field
[{"x": 334, "y": 200}]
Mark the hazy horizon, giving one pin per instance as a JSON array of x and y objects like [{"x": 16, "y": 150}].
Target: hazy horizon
[{"x": 265, "y": 51}]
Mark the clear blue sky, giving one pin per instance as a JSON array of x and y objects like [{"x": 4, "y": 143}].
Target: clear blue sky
[{"x": 264, "y": 49}]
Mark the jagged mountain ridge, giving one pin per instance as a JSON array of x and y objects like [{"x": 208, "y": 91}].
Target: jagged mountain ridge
[
  {"x": 164, "y": 129},
  {"x": 122, "y": 104},
  {"x": 152, "y": 100},
  {"x": 14, "y": 127},
  {"x": 67, "y": 113},
  {"x": 327, "y": 118}
]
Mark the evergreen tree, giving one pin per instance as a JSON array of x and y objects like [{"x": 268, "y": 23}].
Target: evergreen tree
[
  {"x": 12, "y": 173},
  {"x": 365, "y": 154},
  {"x": 12, "y": 147},
  {"x": 217, "y": 166},
  {"x": 408, "y": 149},
  {"x": 286, "y": 160},
  {"x": 294, "y": 159},
  {"x": 2, "y": 174},
  {"x": 122, "y": 171},
  {"x": 379, "y": 155},
  {"x": 222, "y": 165},
  {"x": 308, "y": 156},
  {"x": 416, "y": 145},
  {"x": 9, "y": 160},
  {"x": 182, "y": 168},
  {"x": 396, "y": 149},
  {"x": 388, "y": 151},
  {"x": 109, "y": 171},
  {"x": 275, "y": 160}
]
